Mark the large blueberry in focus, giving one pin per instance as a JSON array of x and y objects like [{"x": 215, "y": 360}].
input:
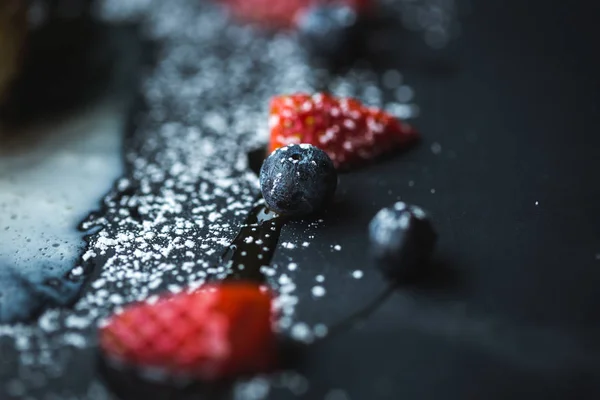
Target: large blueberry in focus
[
  {"x": 402, "y": 239},
  {"x": 329, "y": 32},
  {"x": 298, "y": 180}
]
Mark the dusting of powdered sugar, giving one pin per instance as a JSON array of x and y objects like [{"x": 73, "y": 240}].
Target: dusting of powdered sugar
[{"x": 187, "y": 187}]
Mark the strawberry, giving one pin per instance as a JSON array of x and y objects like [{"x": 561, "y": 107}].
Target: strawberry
[
  {"x": 281, "y": 13},
  {"x": 345, "y": 129},
  {"x": 216, "y": 332}
]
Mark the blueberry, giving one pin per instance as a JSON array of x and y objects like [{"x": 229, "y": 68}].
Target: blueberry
[
  {"x": 22, "y": 296},
  {"x": 298, "y": 180},
  {"x": 329, "y": 32},
  {"x": 402, "y": 239}
]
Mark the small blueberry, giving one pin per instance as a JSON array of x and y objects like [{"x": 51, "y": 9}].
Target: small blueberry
[
  {"x": 329, "y": 32},
  {"x": 298, "y": 180},
  {"x": 402, "y": 239}
]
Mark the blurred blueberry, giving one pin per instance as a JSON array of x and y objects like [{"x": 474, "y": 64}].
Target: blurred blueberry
[
  {"x": 330, "y": 32},
  {"x": 402, "y": 239},
  {"x": 23, "y": 297},
  {"x": 298, "y": 180}
]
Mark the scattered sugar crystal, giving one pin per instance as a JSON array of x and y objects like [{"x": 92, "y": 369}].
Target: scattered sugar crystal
[
  {"x": 320, "y": 278},
  {"x": 287, "y": 288},
  {"x": 404, "y": 221},
  {"x": 255, "y": 389},
  {"x": 301, "y": 332},
  {"x": 48, "y": 321},
  {"x": 404, "y": 94},
  {"x": 75, "y": 340},
  {"x": 436, "y": 148},
  {"x": 400, "y": 205},
  {"x": 357, "y": 274},
  {"x": 98, "y": 283},
  {"x": 293, "y": 381},
  {"x": 87, "y": 255},
  {"x": 153, "y": 284},
  {"x": 318, "y": 291},
  {"x": 320, "y": 330},
  {"x": 418, "y": 212},
  {"x": 284, "y": 279},
  {"x": 115, "y": 298},
  {"x": 292, "y": 266},
  {"x": 268, "y": 271},
  {"x": 284, "y": 322},
  {"x": 76, "y": 322},
  {"x": 337, "y": 247}
]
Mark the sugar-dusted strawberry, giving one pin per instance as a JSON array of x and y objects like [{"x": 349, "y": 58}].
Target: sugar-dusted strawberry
[
  {"x": 348, "y": 131},
  {"x": 216, "y": 332},
  {"x": 282, "y": 13}
]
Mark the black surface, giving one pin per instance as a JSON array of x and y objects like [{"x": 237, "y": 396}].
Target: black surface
[
  {"x": 514, "y": 103},
  {"x": 510, "y": 310}
]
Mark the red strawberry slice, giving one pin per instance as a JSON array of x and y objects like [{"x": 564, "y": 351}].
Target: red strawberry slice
[
  {"x": 345, "y": 129},
  {"x": 282, "y": 13},
  {"x": 216, "y": 332}
]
